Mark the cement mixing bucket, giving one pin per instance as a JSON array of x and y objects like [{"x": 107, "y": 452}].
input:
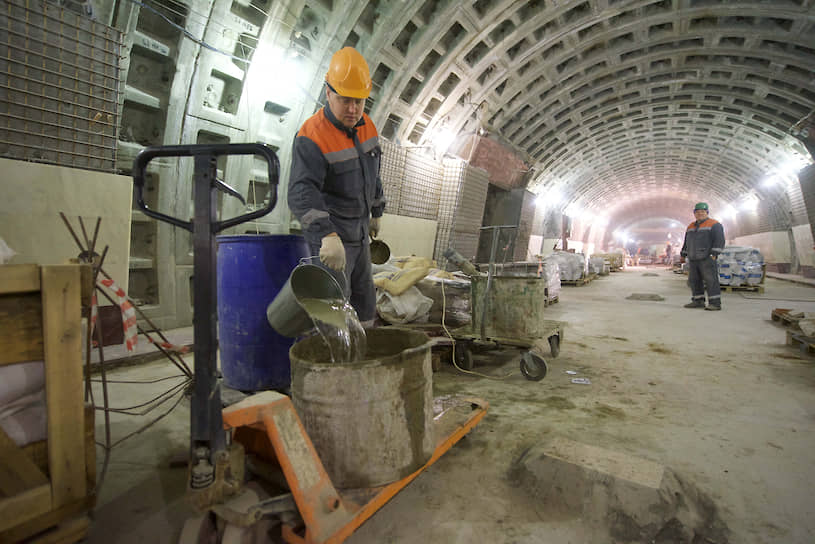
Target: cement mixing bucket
[
  {"x": 285, "y": 314},
  {"x": 371, "y": 421}
]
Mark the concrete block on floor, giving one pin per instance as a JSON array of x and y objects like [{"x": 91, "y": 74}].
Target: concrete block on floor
[{"x": 636, "y": 499}]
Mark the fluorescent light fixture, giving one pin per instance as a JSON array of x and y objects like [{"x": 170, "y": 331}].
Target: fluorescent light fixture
[
  {"x": 572, "y": 210},
  {"x": 771, "y": 181},
  {"x": 442, "y": 139},
  {"x": 551, "y": 197},
  {"x": 749, "y": 204}
]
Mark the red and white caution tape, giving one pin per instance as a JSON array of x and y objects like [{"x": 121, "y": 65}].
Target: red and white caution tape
[
  {"x": 129, "y": 320},
  {"x": 168, "y": 346}
]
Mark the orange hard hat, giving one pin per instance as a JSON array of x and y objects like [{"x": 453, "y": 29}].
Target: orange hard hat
[{"x": 348, "y": 74}]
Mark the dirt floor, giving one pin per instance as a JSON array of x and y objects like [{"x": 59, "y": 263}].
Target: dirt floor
[{"x": 716, "y": 397}]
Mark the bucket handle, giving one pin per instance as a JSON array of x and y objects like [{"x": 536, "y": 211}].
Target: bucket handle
[{"x": 305, "y": 260}]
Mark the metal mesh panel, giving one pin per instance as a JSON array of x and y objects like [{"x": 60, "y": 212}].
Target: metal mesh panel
[
  {"x": 461, "y": 209},
  {"x": 59, "y": 82},
  {"x": 411, "y": 182},
  {"x": 391, "y": 170}
]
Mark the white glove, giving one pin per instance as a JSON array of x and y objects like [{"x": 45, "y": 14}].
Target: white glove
[
  {"x": 373, "y": 226},
  {"x": 332, "y": 252}
]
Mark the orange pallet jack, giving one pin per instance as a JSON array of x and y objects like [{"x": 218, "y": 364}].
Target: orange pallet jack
[
  {"x": 323, "y": 514},
  {"x": 263, "y": 430}
]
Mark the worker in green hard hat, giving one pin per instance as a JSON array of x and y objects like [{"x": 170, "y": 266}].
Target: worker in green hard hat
[{"x": 704, "y": 241}]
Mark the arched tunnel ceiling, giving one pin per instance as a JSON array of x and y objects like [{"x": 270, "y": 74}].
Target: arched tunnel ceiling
[{"x": 652, "y": 102}]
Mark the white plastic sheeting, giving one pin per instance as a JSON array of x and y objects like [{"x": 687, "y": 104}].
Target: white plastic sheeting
[{"x": 573, "y": 266}]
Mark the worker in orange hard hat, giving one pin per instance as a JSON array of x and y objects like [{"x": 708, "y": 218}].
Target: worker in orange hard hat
[{"x": 334, "y": 189}]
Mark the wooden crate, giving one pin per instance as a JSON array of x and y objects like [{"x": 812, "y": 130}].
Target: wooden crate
[{"x": 45, "y": 491}]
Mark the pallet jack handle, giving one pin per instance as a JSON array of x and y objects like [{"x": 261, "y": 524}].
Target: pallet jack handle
[{"x": 207, "y": 435}]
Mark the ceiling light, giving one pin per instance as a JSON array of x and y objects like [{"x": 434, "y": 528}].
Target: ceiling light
[
  {"x": 750, "y": 203},
  {"x": 442, "y": 138}
]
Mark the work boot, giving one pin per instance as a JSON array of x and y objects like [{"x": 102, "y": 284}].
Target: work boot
[
  {"x": 695, "y": 304},
  {"x": 713, "y": 307}
]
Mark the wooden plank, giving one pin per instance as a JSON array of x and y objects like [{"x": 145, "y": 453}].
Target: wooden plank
[
  {"x": 66, "y": 533},
  {"x": 21, "y": 326},
  {"x": 22, "y": 531},
  {"x": 38, "y": 453},
  {"x": 17, "y": 471},
  {"x": 19, "y": 278},
  {"x": 63, "y": 382},
  {"x": 24, "y": 506}
]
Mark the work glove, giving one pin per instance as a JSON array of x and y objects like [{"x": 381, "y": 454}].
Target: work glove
[
  {"x": 332, "y": 252},
  {"x": 373, "y": 226}
]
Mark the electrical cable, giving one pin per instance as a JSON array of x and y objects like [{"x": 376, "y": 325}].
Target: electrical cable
[
  {"x": 153, "y": 403},
  {"x": 186, "y": 32}
]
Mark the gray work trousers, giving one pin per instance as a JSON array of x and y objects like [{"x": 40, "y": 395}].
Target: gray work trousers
[
  {"x": 703, "y": 275},
  {"x": 357, "y": 283}
]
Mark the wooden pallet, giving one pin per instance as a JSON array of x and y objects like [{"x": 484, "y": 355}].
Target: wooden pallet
[
  {"x": 750, "y": 288},
  {"x": 804, "y": 343},
  {"x": 782, "y": 315},
  {"x": 551, "y": 300},
  {"x": 580, "y": 282},
  {"x": 46, "y": 491}
]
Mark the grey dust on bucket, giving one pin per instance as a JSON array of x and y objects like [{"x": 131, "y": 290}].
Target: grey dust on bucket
[{"x": 312, "y": 299}]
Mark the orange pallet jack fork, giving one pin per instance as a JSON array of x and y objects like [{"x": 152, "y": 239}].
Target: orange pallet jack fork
[{"x": 328, "y": 516}]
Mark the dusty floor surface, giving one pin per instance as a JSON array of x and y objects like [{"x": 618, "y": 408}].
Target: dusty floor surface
[{"x": 715, "y": 396}]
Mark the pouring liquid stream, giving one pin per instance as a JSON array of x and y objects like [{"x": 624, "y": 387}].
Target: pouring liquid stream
[{"x": 338, "y": 324}]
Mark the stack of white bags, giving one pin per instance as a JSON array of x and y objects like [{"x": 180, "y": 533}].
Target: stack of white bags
[{"x": 739, "y": 265}]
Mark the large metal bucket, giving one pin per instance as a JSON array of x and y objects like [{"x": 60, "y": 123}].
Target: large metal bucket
[
  {"x": 371, "y": 422},
  {"x": 514, "y": 306},
  {"x": 285, "y": 314}
]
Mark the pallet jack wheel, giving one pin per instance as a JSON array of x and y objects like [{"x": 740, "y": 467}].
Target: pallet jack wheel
[
  {"x": 533, "y": 367},
  {"x": 554, "y": 345},
  {"x": 464, "y": 356}
]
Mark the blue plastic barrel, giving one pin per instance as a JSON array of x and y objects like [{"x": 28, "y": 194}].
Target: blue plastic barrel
[{"x": 252, "y": 268}]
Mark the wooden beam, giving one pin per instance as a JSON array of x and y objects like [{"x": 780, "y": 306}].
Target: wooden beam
[
  {"x": 63, "y": 382},
  {"x": 23, "y": 531},
  {"x": 66, "y": 532},
  {"x": 17, "y": 471},
  {"x": 21, "y": 325},
  {"x": 24, "y": 506},
  {"x": 19, "y": 278}
]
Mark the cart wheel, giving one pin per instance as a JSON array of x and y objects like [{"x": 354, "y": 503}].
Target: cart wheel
[
  {"x": 554, "y": 345},
  {"x": 464, "y": 356},
  {"x": 533, "y": 367}
]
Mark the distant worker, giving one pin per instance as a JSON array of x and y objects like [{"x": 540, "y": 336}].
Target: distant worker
[
  {"x": 334, "y": 189},
  {"x": 669, "y": 250},
  {"x": 704, "y": 241}
]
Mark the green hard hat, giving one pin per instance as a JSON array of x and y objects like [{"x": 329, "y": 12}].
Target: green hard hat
[{"x": 701, "y": 206}]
